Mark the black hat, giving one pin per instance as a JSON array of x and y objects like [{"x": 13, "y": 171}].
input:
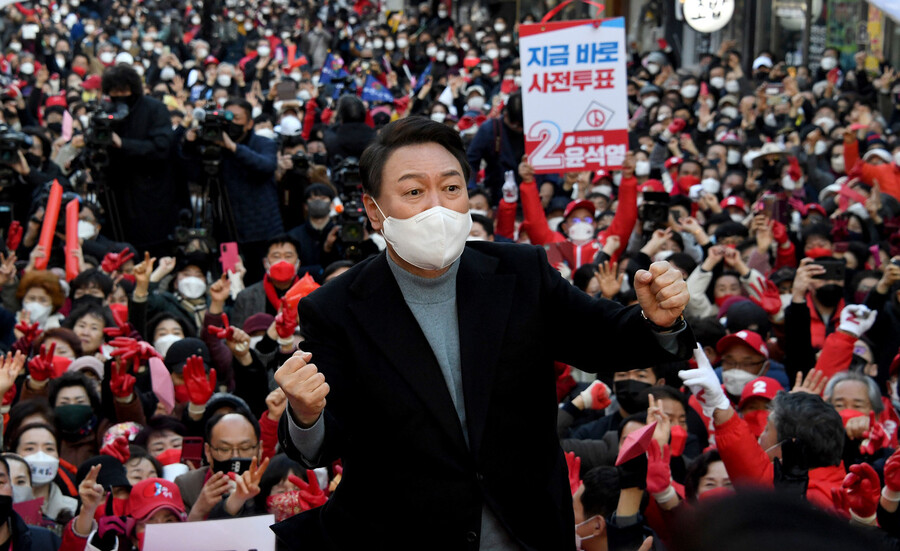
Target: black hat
[
  {"x": 747, "y": 315},
  {"x": 180, "y": 351},
  {"x": 195, "y": 258},
  {"x": 112, "y": 473}
]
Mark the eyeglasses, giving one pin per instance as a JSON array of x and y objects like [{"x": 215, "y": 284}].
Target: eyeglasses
[
  {"x": 240, "y": 451},
  {"x": 746, "y": 366}
]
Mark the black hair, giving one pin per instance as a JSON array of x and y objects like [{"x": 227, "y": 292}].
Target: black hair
[
  {"x": 14, "y": 441},
  {"x": 41, "y": 134},
  {"x": 91, "y": 278},
  {"x": 731, "y": 229},
  {"x": 292, "y": 141},
  {"x": 335, "y": 266},
  {"x": 214, "y": 420},
  {"x": 857, "y": 279},
  {"x": 683, "y": 261},
  {"x": 583, "y": 275},
  {"x": 485, "y": 222},
  {"x": 186, "y": 327},
  {"x": 281, "y": 239},
  {"x": 601, "y": 492},
  {"x": 821, "y": 229},
  {"x": 350, "y": 109},
  {"x": 25, "y": 409},
  {"x": 513, "y": 107},
  {"x": 480, "y": 190},
  {"x": 10, "y": 456},
  {"x": 279, "y": 467},
  {"x": 241, "y": 103},
  {"x": 696, "y": 471},
  {"x": 140, "y": 452},
  {"x": 405, "y": 132},
  {"x": 157, "y": 424},
  {"x": 667, "y": 392},
  {"x": 708, "y": 331},
  {"x": 89, "y": 309},
  {"x": 72, "y": 379},
  {"x": 822, "y": 442},
  {"x": 121, "y": 77}
]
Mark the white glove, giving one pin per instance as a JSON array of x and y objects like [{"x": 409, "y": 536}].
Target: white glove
[
  {"x": 856, "y": 319},
  {"x": 705, "y": 385},
  {"x": 510, "y": 189},
  {"x": 601, "y": 391}
]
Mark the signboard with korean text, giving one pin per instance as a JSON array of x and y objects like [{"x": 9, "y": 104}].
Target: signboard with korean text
[{"x": 575, "y": 102}]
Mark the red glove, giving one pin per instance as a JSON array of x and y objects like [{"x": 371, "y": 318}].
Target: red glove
[
  {"x": 14, "y": 236},
  {"x": 129, "y": 349},
  {"x": 596, "y": 396},
  {"x": 29, "y": 334},
  {"x": 574, "y": 464},
  {"x": 862, "y": 490},
  {"x": 875, "y": 438},
  {"x": 311, "y": 495},
  {"x": 659, "y": 475},
  {"x": 779, "y": 232},
  {"x": 40, "y": 367},
  {"x": 200, "y": 387},
  {"x": 118, "y": 448},
  {"x": 286, "y": 322},
  {"x": 10, "y": 396},
  {"x": 114, "y": 261},
  {"x": 677, "y": 126},
  {"x": 768, "y": 298},
  {"x": 121, "y": 383},
  {"x": 122, "y": 329},
  {"x": 226, "y": 332},
  {"x": 677, "y": 440}
]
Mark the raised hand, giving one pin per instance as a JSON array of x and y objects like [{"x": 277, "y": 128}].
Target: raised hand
[
  {"x": 814, "y": 383},
  {"x": 40, "y": 367},
  {"x": 216, "y": 486},
  {"x": 310, "y": 493},
  {"x": 118, "y": 448},
  {"x": 14, "y": 236},
  {"x": 7, "y": 268},
  {"x": 767, "y": 297},
  {"x": 705, "y": 385},
  {"x": 874, "y": 439},
  {"x": 121, "y": 382},
  {"x": 27, "y": 334},
  {"x": 856, "y": 319},
  {"x": 200, "y": 386},
  {"x": 10, "y": 368},
  {"x": 891, "y": 490},
  {"x": 862, "y": 490},
  {"x": 659, "y": 474},
  {"x": 142, "y": 273},
  {"x": 247, "y": 486},
  {"x": 90, "y": 491},
  {"x": 113, "y": 262},
  {"x": 276, "y": 402},
  {"x": 122, "y": 328},
  {"x": 610, "y": 284},
  {"x": 662, "y": 293},
  {"x": 226, "y": 332},
  {"x": 286, "y": 322},
  {"x": 129, "y": 349},
  {"x": 573, "y": 462},
  {"x": 304, "y": 387},
  {"x": 596, "y": 396}
]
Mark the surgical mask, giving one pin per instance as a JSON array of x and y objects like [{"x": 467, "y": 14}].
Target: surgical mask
[
  {"x": 263, "y": 51},
  {"x": 499, "y": 27},
  {"x": 689, "y": 91},
  {"x": 147, "y": 46},
  {"x": 22, "y": 493},
  {"x": 837, "y": 164},
  {"x": 730, "y": 112},
  {"x": 441, "y": 55},
  {"x": 431, "y": 51},
  {"x": 125, "y": 21},
  {"x": 642, "y": 168},
  {"x": 827, "y": 123},
  {"x": 788, "y": 183},
  {"x": 438, "y": 116},
  {"x": 452, "y": 60},
  {"x": 739, "y": 218},
  {"x": 318, "y": 208},
  {"x": 43, "y": 467},
  {"x": 717, "y": 82},
  {"x": 389, "y": 45},
  {"x": 828, "y": 63},
  {"x": 192, "y": 287},
  {"x": 167, "y": 73},
  {"x": 581, "y": 231},
  {"x": 224, "y": 80},
  {"x": 627, "y": 392},
  {"x": 820, "y": 148},
  {"x": 107, "y": 57},
  {"x": 710, "y": 185},
  {"x": 402, "y": 43},
  {"x": 770, "y": 119},
  {"x": 733, "y": 157},
  {"x": 830, "y": 295},
  {"x": 254, "y": 341},
  {"x": 476, "y": 103},
  {"x": 430, "y": 240},
  {"x": 649, "y": 101},
  {"x": 493, "y": 53},
  {"x": 73, "y": 417},
  {"x": 38, "y": 312},
  {"x": 732, "y": 86},
  {"x": 653, "y": 68},
  {"x": 487, "y": 68},
  {"x": 163, "y": 343},
  {"x": 378, "y": 43},
  {"x": 735, "y": 380},
  {"x": 282, "y": 271},
  {"x": 442, "y": 14},
  {"x": 27, "y": 68},
  {"x": 61, "y": 61}
]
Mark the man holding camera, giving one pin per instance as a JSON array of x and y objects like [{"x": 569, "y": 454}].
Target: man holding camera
[
  {"x": 319, "y": 236},
  {"x": 247, "y": 176},
  {"x": 139, "y": 175},
  {"x": 292, "y": 176}
]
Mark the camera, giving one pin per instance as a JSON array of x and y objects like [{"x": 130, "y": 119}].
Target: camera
[
  {"x": 11, "y": 142},
  {"x": 654, "y": 211},
  {"x": 353, "y": 218},
  {"x": 300, "y": 161},
  {"x": 98, "y": 136},
  {"x": 214, "y": 123}
]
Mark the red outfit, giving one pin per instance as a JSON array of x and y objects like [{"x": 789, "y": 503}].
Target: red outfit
[
  {"x": 505, "y": 223},
  {"x": 268, "y": 435},
  {"x": 887, "y": 174},
  {"x": 817, "y": 326}
]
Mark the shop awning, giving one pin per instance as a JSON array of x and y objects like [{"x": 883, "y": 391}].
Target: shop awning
[{"x": 890, "y": 7}]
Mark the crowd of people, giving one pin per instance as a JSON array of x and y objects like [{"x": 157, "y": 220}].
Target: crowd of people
[{"x": 213, "y": 153}]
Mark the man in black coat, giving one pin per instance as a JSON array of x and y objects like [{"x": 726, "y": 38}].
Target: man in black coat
[
  {"x": 350, "y": 136},
  {"x": 436, "y": 359},
  {"x": 140, "y": 162}
]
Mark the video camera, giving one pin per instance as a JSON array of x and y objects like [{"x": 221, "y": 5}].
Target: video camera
[
  {"x": 300, "y": 161},
  {"x": 353, "y": 218},
  {"x": 98, "y": 136},
  {"x": 654, "y": 211},
  {"x": 213, "y": 123},
  {"x": 11, "y": 143}
]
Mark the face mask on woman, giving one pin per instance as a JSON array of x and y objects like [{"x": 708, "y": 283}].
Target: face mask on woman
[
  {"x": 192, "y": 287},
  {"x": 43, "y": 467}
]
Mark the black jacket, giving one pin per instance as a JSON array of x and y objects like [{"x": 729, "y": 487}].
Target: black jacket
[
  {"x": 409, "y": 476},
  {"x": 347, "y": 140}
]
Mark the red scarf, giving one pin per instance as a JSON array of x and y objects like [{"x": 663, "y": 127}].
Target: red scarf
[{"x": 272, "y": 293}]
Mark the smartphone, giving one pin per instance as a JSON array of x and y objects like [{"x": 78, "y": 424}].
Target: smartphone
[
  {"x": 192, "y": 448},
  {"x": 229, "y": 256},
  {"x": 238, "y": 465},
  {"x": 774, "y": 89},
  {"x": 835, "y": 269},
  {"x": 704, "y": 90},
  {"x": 286, "y": 89}
]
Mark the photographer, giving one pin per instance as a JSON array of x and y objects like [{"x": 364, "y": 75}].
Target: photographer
[
  {"x": 139, "y": 174},
  {"x": 34, "y": 169},
  {"x": 319, "y": 236},
  {"x": 293, "y": 178},
  {"x": 247, "y": 172},
  {"x": 350, "y": 134}
]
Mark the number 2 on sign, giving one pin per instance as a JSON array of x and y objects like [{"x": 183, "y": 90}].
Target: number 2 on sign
[{"x": 549, "y": 135}]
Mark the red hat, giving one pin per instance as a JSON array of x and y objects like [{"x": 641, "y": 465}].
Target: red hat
[
  {"x": 733, "y": 201},
  {"x": 154, "y": 494},
  {"x": 810, "y": 207},
  {"x": 750, "y": 338},
  {"x": 583, "y": 204},
  {"x": 210, "y": 59},
  {"x": 91, "y": 83},
  {"x": 56, "y": 101},
  {"x": 673, "y": 161},
  {"x": 80, "y": 71},
  {"x": 760, "y": 387},
  {"x": 599, "y": 175},
  {"x": 652, "y": 185}
]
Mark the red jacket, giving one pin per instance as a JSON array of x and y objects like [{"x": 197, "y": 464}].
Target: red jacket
[
  {"x": 505, "y": 222},
  {"x": 887, "y": 174},
  {"x": 748, "y": 465},
  {"x": 817, "y": 326}
]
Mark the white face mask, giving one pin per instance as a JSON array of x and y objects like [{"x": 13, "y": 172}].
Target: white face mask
[
  {"x": 441, "y": 55},
  {"x": 820, "y": 148},
  {"x": 493, "y": 53},
  {"x": 788, "y": 183},
  {"x": 43, "y": 467},
  {"x": 16, "y": 47},
  {"x": 476, "y": 103},
  {"x": 163, "y": 343},
  {"x": 827, "y": 123},
  {"x": 710, "y": 185},
  {"x": 191, "y": 287},
  {"x": 389, "y": 46},
  {"x": 107, "y": 57},
  {"x": 431, "y": 51},
  {"x": 730, "y": 112},
  {"x": 378, "y": 43},
  {"x": 732, "y": 86},
  {"x": 739, "y": 218},
  {"x": 733, "y": 157},
  {"x": 486, "y": 68},
  {"x": 167, "y": 73},
  {"x": 649, "y": 101},
  {"x": 263, "y": 51},
  {"x": 770, "y": 119},
  {"x": 499, "y": 27},
  {"x": 717, "y": 82},
  {"x": 735, "y": 380},
  {"x": 254, "y": 341},
  {"x": 452, "y": 60},
  {"x": 642, "y": 168},
  {"x": 402, "y": 43},
  {"x": 147, "y": 46},
  {"x": 38, "y": 312},
  {"x": 581, "y": 231},
  {"x": 202, "y": 53},
  {"x": 897, "y": 158},
  {"x": 689, "y": 91},
  {"x": 430, "y": 240},
  {"x": 224, "y": 80},
  {"x": 27, "y": 68},
  {"x": 653, "y": 68},
  {"x": 437, "y": 116},
  {"x": 22, "y": 493},
  {"x": 828, "y": 63},
  {"x": 837, "y": 165}
]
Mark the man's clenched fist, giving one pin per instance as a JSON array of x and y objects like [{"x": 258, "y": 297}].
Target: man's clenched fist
[{"x": 304, "y": 387}]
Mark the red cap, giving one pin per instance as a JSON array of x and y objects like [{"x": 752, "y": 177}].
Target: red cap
[
  {"x": 750, "y": 338},
  {"x": 583, "y": 204},
  {"x": 652, "y": 185},
  {"x": 733, "y": 201},
  {"x": 154, "y": 494},
  {"x": 56, "y": 101},
  {"x": 673, "y": 161},
  {"x": 210, "y": 59},
  {"x": 80, "y": 71},
  {"x": 815, "y": 207},
  {"x": 599, "y": 175},
  {"x": 760, "y": 387},
  {"x": 91, "y": 83}
]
